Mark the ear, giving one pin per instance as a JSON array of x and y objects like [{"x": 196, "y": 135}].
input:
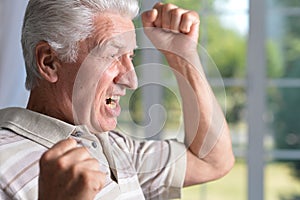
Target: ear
[{"x": 47, "y": 62}]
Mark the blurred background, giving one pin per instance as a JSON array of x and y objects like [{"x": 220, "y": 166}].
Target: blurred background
[{"x": 255, "y": 47}]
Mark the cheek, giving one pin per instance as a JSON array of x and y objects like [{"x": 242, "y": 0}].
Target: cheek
[
  {"x": 92, "y": 85},
  {"x": 104, "y": 88},
  {"x": 66, "y": 81},
  {"x": 108, "y": 76}
]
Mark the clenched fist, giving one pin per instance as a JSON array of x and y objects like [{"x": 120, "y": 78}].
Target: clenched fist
[
  {"x": 69, "y": 172},
  {"x": 171, "y": 29}
]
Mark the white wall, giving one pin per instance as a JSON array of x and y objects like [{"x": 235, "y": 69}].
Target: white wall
[{"x": 12, "y": 68}]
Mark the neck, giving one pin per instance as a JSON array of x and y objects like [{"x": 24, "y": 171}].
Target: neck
[{"x": 48, "y": 101}]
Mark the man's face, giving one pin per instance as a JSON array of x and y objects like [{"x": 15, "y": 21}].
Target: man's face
[{"x": 102, "y": 75}]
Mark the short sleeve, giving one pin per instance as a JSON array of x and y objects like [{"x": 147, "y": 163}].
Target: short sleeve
[{"x": 161, "y": 167}]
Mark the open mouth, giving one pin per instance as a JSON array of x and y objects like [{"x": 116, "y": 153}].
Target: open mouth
[{"x": 112, "y": 101}]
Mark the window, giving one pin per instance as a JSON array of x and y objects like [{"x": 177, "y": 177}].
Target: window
[{"x": 256, "y": 47}]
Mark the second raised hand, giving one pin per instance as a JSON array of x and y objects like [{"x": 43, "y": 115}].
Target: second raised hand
[{"x": 172, "y": 29}]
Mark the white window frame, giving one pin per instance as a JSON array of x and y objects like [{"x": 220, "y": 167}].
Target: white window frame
[{"x": 256, "y": 84}]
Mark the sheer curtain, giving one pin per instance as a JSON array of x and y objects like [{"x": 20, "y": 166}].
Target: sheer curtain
[{"x": 12, "y": 68}]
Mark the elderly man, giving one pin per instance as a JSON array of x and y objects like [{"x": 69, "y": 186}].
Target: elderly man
[{"x": 78, "y": 56}]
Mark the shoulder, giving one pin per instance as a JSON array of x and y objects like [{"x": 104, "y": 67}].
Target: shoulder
[
  {"x": 19, "y": 168},
  {"x": 120, "y": 140},
  {"x": 15, "y": 148},
  {"x": 13, "y": 145}
]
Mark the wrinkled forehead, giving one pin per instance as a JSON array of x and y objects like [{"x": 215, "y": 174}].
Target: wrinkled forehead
[{"x": 115, "y": 30}]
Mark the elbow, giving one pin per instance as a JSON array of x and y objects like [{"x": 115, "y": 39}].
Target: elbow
[
  {"x": 221, "y": 162},
  {"x": 223, "y": 166},
  {"x": 211, "y": 169},
  {"x": 226, "y": 166},
  {"x": 226, "y": 159}
]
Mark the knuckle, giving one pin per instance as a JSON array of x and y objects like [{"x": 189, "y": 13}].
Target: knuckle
[
  {"x": 82, "y": 151},
  {"x": 157, "y": 5},
  {"x": 186, "y": 16},
  {"x": 71, "y": 142},
  {"x": 45, "y": 158},
  {"x": 176, "y": 12},
  {"x": 168, "y": 7},
  {"x": 86, "y": 154},
  {"x": 85, "y": 178},
  {"x": 94, "y": 164},
  {"x": 74, "y": 171},
  {"x": 192, "y": 15},
  {"x": 94, "y": 161},
  {"x": 61, "y": 164}
]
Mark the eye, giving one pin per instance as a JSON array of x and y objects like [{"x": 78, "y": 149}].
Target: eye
[
  {"x": 117, "y": 57},
  {"x": 131, "y": 56}
]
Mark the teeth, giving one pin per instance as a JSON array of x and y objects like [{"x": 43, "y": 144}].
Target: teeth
[
  {"x": 115, "y": 98},
  {"x": 112, "y": 101},
  {"x": 112, "y": 105}
]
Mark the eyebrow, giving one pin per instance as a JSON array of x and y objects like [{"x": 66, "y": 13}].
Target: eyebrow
[
  {"x": 114, "y": 43},
  {"x": 120, "y": 45}
]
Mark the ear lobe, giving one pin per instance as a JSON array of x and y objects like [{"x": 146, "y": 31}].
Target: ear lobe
[{"x": 47, "y": 62}]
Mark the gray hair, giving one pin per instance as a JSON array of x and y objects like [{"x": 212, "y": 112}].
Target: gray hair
[{"x": 63, "y": 23}]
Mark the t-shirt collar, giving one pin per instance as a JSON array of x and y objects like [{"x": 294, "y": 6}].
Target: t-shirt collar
[{"x": 34, "y": 125}]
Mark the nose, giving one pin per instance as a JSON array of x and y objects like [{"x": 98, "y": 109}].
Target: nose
[{"x": 127, "y": 76}]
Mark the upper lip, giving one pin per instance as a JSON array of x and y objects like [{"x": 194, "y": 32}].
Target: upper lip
[{"x": 115, "y": 96}]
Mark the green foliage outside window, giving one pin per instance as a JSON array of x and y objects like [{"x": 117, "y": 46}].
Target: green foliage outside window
[
  {"x": 228, "y": 49},
  {"x": 286, "y": 121}
]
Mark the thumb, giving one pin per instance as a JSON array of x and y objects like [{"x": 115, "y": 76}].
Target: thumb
[{"x": 148, "y": 18}]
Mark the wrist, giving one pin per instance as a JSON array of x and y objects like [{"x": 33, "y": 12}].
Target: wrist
[{"x": 187, "y": 62}]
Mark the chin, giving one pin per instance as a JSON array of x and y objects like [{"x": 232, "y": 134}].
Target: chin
[{"x": 108, "y": 125}]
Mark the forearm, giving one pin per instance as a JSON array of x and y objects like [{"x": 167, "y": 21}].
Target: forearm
[{"x": 206, "y": 130}]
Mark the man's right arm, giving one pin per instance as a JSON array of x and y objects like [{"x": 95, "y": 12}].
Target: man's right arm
[{"x": 69, "y": 172}]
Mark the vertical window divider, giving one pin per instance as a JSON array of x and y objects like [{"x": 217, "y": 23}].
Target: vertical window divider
[{"x": 256, "y": 95}]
